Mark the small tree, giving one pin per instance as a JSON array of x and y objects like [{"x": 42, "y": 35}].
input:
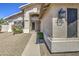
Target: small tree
[{"x": 2, "y": 21}]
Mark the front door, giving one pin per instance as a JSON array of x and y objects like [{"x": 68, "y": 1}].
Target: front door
[
  {"x": 33, "y": 25},
  {"x": 71, "y": 22}
]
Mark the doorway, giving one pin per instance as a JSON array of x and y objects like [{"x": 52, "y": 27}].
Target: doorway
[{"x": 33, "y": 25}]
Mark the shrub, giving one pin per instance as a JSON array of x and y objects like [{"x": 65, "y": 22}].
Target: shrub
[
  {"x": 17, "y": 29},
  {"x": 40, "y": 35}
]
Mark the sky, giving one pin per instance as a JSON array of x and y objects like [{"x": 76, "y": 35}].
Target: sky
[{"x": 7, "y": 9}]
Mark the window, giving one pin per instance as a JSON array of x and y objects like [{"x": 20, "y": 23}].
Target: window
[
  {"x": 33, "y": 25},
  {"x": 71, "y": 22}
]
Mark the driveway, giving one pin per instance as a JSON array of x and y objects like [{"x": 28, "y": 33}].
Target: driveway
[{"x": 13, "y": 45}]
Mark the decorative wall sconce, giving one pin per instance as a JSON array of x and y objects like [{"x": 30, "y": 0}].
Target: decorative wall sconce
[
  {"x": 59, "y": 22},
  {"x": 61, "y": 15}
]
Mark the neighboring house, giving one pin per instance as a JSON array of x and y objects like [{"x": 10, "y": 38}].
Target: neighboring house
[
  {"x": 4, "y": 26},
  {"x": 58, "y": 22},
  {"x": 16, "y": 19}
]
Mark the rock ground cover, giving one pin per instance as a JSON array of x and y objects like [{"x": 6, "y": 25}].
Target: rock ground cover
[{"x": 13, "y": 45}]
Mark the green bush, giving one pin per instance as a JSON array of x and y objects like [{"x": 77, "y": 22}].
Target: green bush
[
  {"x": 40, "y": 35},
  {"x": 17, "y": 30}
]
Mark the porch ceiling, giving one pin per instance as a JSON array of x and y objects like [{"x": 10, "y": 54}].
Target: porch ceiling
[
  {"x": 34, "y": 14},
  {"x": 43, "y": 9}
]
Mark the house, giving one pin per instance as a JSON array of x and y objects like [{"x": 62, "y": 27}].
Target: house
[
  {"x": 16, "y": 18},
  {"x": 4, "y": 26},
  {"x": 58, "y": 22},
  {"x": 29, "y": 17}
]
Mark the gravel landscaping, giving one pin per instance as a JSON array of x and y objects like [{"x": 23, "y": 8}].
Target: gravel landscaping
[{"x": 13, "y": 45}]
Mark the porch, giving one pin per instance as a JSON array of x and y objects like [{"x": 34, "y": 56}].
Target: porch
[{"x": 34, "y": 22}]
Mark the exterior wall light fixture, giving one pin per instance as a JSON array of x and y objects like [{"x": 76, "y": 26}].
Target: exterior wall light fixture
[{"x": 61, "y": 15}]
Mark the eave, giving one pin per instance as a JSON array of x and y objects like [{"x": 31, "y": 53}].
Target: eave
[
  {"x": 13, "y": 15},
  {"x": 43, "y": 9},
  {"x": 28, "y": 5}
]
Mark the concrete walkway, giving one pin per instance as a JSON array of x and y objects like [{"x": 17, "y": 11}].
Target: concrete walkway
[{"x": 32, "y": 49}]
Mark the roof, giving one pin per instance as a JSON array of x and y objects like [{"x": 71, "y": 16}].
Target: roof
[
  {"x": 22, "y": 7},
  {"x": 13, "y": 15},
  {"x": 28, "y": 5}
]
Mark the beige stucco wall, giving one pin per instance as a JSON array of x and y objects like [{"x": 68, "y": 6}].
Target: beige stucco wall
[
  {"x": 46, "y": 26},
  {"x": 59, "y": 41},
  {"x": 46, "y": 23},
  {"x": 61, "y": 29},
  {"x": 50, "y": 17},
  {"x": 58, "y": 31}
]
